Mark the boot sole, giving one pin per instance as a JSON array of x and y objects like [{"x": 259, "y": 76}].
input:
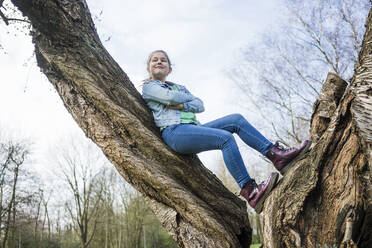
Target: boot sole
[
  {"x": 272, "y": 183},
  {"x": 299, "y": 156}
]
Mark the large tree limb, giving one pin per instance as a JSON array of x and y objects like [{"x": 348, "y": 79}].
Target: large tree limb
[{"x": 188, "y": 199}]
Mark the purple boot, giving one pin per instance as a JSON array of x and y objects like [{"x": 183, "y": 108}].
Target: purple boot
[
  {"x": 256, "y": 194},
  {"x": 283, "y": 158}
]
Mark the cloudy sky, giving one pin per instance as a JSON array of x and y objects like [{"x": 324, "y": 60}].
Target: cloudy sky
[{"x": 203, "y": 39}]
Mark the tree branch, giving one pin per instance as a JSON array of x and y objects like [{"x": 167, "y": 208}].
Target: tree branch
[{"x": 7, "y": 20}]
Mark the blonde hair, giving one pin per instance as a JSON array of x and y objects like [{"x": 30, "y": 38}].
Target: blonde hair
[{"x": 149, "y": 59}]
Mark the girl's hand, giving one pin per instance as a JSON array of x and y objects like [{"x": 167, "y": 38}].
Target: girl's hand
[{"x": 177, "y": 107}]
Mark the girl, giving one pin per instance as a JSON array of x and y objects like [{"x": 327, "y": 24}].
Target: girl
[{"x": 174, "y": 109}]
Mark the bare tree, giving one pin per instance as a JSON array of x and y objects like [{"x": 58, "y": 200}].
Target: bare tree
[
  {"x": 283, "y": 73},
  {"x": 225, "y": 177},
  {"x": 45, "y": 200},
  {"x": 12, "y": 155},
  {"x": 229, "y": 182},
  {"x": 79, "y": 164},
  {"x": 325, "y": 199},
  {"x": 126, "y": 219}
]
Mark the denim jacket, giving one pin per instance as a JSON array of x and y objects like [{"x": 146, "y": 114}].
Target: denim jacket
[{"x": 159, "y": 95}]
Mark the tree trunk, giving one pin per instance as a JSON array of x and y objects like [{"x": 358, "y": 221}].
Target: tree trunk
[
  {"x": 330, "y": 190},
  {"x": 191, "y": 203},
  {"x": 12, "y": 203}
]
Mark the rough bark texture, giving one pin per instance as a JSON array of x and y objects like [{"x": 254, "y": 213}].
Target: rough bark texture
[
  {"x": 333, "y": 184},
  {"x": 188, "y": 199},
  {"x": 326, "y": 104}
]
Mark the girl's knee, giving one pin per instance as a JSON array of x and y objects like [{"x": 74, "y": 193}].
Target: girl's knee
[
  {"x": 226, "y": 138},
  {"x": 237, "y": 117}
]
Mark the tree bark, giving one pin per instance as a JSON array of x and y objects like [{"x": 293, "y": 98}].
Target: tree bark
[
  {"x": 191, "y": 203},
  {"x": 326, "y": 199}
]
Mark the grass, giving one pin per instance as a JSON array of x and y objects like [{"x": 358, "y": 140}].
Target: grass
[{"x": 255, "y": 246}]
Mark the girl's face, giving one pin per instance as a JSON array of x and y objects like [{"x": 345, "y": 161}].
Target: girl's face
[{"x": 158, "y": 66}]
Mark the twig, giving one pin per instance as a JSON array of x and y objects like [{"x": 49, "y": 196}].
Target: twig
[
  {"x": 7, "y": 20},
  {"x": 19, "y": 20}
]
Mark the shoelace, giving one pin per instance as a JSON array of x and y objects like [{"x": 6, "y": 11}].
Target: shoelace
[
  {"x": 254, "y": 183},
  {"x": 281, "y": 147}
]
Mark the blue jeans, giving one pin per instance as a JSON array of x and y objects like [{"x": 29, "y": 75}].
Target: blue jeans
[{"x": 217, "y": 135}]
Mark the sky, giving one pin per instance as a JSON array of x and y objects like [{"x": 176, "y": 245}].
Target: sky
[{"x": 203, "y": 39}]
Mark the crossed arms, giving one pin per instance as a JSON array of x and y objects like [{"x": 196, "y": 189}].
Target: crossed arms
[{"x": 180, "y": 100}]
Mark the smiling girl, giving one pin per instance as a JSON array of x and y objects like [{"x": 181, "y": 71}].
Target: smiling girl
[{"x": 174, "y": 109}]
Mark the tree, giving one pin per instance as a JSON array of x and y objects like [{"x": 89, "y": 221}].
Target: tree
[
  {"x": 229, "y": 182},
  {"x": 20, "y": 198},
  {"x": 321, "y": 36},
  {"x": 13, "y": 155},
  {"x": 327, "y": 37},
  {"x": 191, "y": 202},
  {"x": 126, "y": 220},
  {"x": 324, "y": 201},
  {"x": 284, "y": 71},
  {"x": 79, "y": 165}
]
